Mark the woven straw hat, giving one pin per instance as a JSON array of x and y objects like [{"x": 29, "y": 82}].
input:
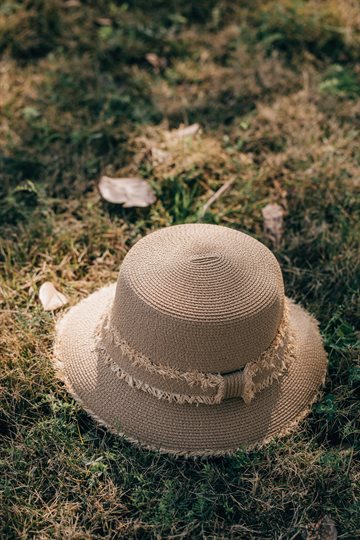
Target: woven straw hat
[{"x": 195, "y": 350}]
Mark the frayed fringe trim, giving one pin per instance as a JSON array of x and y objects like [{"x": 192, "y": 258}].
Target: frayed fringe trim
[
  {"x": 193, "y": 377},
  {"x": 288, "y": 429},
  {"x": 270, "y": 360},
  {"x": 243, "y": 384},
  {"x": 157, "y": 392}
]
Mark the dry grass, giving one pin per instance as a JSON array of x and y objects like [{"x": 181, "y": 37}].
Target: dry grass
[{"x": 275, "y": 89}]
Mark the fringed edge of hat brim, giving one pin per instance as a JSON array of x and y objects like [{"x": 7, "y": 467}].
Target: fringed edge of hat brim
[{"x": 288, "y": 429}]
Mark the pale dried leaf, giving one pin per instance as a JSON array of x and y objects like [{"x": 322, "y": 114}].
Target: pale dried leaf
[
  {"x": 51, "y": 298},
  {"x": 187, "y": 131},
  {"x": 126, "y": 191},
  {"x": 273, "y": 215}
]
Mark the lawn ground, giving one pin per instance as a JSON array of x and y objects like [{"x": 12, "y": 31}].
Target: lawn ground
[{"x": 93, "y": 87}]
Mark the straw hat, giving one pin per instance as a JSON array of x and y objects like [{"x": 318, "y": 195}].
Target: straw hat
[{"x": 195, "y": 350}]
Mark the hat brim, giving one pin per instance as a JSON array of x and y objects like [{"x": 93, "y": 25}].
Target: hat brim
[{"x": 193, "y": 430}]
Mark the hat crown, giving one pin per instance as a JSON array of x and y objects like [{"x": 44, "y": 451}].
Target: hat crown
[{"x": 199, "y": 296}]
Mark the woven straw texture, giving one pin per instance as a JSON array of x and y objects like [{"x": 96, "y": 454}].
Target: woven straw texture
[{"x": 195, "y": 305}]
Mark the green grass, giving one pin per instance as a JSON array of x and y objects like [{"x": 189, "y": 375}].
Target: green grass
[{"x": 275, "y": 88}]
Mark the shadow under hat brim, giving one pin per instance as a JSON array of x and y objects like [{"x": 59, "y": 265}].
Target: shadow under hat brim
[{"x": 185, "y": 429}]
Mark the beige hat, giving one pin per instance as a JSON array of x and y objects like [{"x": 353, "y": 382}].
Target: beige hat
[{"x": 195, "y": 350}]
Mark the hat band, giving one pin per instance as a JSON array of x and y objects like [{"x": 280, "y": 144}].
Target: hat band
[{"x": 195, "y": 387}]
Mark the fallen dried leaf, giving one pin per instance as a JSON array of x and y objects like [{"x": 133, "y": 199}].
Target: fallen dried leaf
[
  {"x": 183, "y": 132},
  {"x": 273, "y": 215},
  {"x": 50, "y": 298},
  {"x": 127, "y": 191}
]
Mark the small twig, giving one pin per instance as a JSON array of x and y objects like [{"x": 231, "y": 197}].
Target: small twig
[{"x": 215, "y": 197}]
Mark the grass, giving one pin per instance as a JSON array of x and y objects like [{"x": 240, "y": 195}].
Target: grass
[{"x": 275, "y": 88}]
